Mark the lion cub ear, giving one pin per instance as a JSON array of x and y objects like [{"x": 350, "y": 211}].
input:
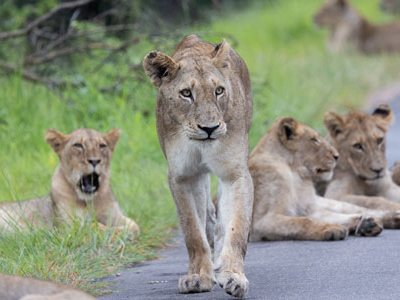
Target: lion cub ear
[
  {"x": 56, "y": 140},
  {"x": 158, "y": 65},
  {"x": 220, "y": 55},
  {"x": 112, "y": 138},
  {"x": 288, "y": 132},
  {"x": 384, "y": 115},
  {"x": 335, "y": 124}
]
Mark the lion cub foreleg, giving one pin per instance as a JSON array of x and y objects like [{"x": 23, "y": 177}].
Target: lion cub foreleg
[
  {"x": 190, "y": 198},
  {"x": 233, "y": 223}
]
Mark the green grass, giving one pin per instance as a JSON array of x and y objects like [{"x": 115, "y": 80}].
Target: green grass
[{"x": 292, "y": 74}]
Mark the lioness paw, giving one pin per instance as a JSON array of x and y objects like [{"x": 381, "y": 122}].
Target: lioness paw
[
  {"x": 195, "y": 283},
  {"x": 334, "y": 233},
  {"x": 234, "y": 284},
  {"x": 391, "y": 220},
  {"x": 368, "y": 226}
]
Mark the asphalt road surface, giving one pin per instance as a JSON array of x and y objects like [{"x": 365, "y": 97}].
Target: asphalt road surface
[{"x": 356, "y": 268}]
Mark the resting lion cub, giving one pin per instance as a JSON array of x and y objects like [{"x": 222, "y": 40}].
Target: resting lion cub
[
  {"x": 20, "y": 288},
  {"x": 204, "y": 109},
  {"x": 284, "y": 164},
  {"x": 348, "y": 29},
  {"x": 81, "y": 178},
  {"x": 396, "y": 173},
  {"x": 361, "y": 176}
]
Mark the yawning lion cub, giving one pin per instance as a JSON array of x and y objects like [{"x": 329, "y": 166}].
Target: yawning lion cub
[{"x": 81, "y": 179}]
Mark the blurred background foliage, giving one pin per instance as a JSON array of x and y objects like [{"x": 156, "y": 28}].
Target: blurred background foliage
[{"x": 81, "y": 67}]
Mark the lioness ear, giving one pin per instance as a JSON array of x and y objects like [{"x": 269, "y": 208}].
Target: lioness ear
[
  {"x": 158, "y": 65},
  {"x": 288, "y": 131},
  {"x": 56, "y": 139},
  {"x": 384, "y": 115},
  {"x": 220, "y": 54},
  {"x": 334, "y": 123},
  {"x": 112, "y": 138}
]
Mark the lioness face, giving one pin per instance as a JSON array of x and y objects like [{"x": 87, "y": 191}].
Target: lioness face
[
  {"x": 85, "y": 156},
  {"x": 310, "y": 150},
  {"x": 332, "y": 13},
  {"x": 196, "y": 90},
  {"x": 360, "y": 139}
]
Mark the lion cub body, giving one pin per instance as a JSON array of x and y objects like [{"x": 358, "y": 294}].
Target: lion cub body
[
  {"x": 361, "y": 176},
  {"x": 81, "y": 180},
  {"x": 284, "y": 165},
  {"x": 348, "y": 29},
  {"x": 20, "y": 288}
]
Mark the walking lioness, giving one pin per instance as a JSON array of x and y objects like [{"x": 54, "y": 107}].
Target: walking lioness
[
  {"x": 284, "y": 165},
  {"x": 348, "y": 29},
  {"x": 204, "y": 110},
  {"x": 81, "y": 179},
  {"x": 361, "y": 176}
]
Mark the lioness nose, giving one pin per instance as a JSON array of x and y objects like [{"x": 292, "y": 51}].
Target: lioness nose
[
  {"x": 336, "y": 157},
  {"x": 94, "y": 162},
  {"x": 209, "y": 130},
  {"x": 377, "y": 171}
]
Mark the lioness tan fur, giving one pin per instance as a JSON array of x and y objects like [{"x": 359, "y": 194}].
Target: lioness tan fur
[
  {"x": 361, "y": 176},
  {"x": 204, "y": 110},
  {"x": 81, "y": 179},
  {"x": 348, "y": 29},
  {"x": 284, "y": 165},
  {"x": 20, "y": 288}
]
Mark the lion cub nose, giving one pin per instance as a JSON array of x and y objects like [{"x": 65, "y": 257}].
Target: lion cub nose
[
  {"x": 377, "y": 171},
  {"x": 209, "y": 130},
  {"x": 94, "y": 162}
]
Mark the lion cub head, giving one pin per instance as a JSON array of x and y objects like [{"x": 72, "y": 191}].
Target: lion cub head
[
  {"x": 194, "y": 86},
  {"x": 85, "y": 156},
  {"x": 360, "y": 140},
  {"x": 333, "y": 13},
  {"x": 309, "y": 150}
]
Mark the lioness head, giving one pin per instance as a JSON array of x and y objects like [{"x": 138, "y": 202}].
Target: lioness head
[
  {"x": 360, "y": 140},
  {"x": 332, "y": 13},
  {"x": 85, "y": 156},
  {"x": 308, "y": 148},
  {"x": 194, "y": 85}
]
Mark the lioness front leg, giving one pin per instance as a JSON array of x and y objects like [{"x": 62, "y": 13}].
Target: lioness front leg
[
  {"x": 356, "y": 223},
  {"x": 190, "y": 198},
  {"x": 233, "y": 223},
  {"x": 280, "y": 227},
  {"x": 379, "y": 203}
]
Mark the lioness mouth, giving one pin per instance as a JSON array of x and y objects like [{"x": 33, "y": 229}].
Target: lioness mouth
[
  {"x": 89, "y": 184},
  {"x": 320, "y": 171}
]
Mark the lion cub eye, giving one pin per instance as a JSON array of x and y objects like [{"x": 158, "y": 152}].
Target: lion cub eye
[
  {"x": 103, "y": 145},
  {"x": 186, "y": 93},
  {"x": 78, "y": 145},
  {"x": 379, "y": 141},
  {"x": 219, "y": 90},
  {"x": 358, "y": 146}
]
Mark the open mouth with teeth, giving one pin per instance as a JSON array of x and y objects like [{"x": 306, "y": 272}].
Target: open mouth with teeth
[{"x": 89, "y": 184}]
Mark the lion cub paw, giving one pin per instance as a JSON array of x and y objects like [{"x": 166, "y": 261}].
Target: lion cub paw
[
  {"x": 334, "y": 233},
  {"x": 368, "y": 226},
  {"x": 195, "y": 283},
  {"x": 391, "y": 220},
  {"x": 234, "y": 284}
]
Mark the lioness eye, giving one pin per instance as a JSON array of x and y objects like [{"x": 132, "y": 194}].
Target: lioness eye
[
  {"x": 103, "y": 145},
  {"x": 358, "y": 146},
  {"x": 186, "y": 93},
  {"x": 379, "y": 141},
  {"x": 78, "y": 145},
  {"x": 315, "y": 140},
  {"x": 219, "y": 90}
]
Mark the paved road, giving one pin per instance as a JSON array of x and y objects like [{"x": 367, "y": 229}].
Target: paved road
[{"x": 357, "y": 268}]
